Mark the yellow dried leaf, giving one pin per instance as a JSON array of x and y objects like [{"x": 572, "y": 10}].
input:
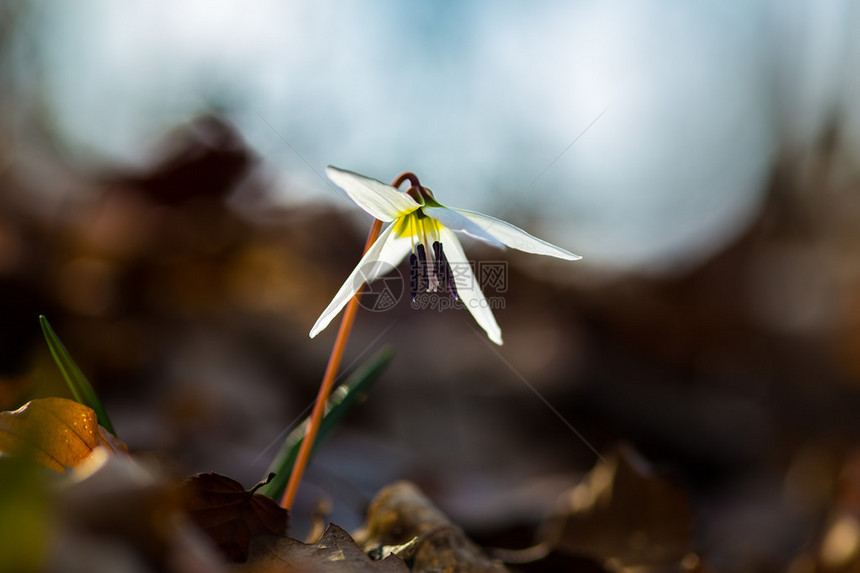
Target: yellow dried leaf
[{"x": 56, "y": 432}]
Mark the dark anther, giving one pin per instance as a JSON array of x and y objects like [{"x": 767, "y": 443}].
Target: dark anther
[
  {"x": 413, "y": 276},
  {"x": 424, "y": 270},
  {"x": 443, "y": 269}
]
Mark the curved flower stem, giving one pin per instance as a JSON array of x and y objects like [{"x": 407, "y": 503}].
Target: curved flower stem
[
  {"x": 406, "y": 176},
  {"x": 331, "y": 371},
  {"x": 326, "y": 386}
]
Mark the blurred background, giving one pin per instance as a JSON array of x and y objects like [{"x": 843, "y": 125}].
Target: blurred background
[{"x": 161, "y": 202}]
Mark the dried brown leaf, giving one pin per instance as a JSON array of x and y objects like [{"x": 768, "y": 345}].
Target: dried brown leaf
[
  {"x": 114, "y": 513},
  {"x": 625, "y": 516},
  {"x": 56, "y": 432},
  {"x": 400, "y": 513},
  {"x": 230, "y": 515},
  {"x": 335, "y": 552}
]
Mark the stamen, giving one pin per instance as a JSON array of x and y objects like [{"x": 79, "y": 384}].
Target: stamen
[
  {"x": 447, "y": 274},
  {"x": 429, "y": 271},
  {"x": 413, "y": 276},
  {"x": 438, "y": 267},
  {"x": 424, "y": 270}
]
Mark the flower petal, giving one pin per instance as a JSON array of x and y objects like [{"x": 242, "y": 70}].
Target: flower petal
[
  {"x": 386, "y": 252},
  {"x": 380, "y": 200},
  {"x": 468, "y": 288},
  {"x": 515, "y": 237},
  {"x": 458, "y": 222}
]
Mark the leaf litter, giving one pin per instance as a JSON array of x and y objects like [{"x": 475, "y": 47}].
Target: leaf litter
[
  {"x": 230, "y": 515},
  {"x": 56, "y": 432}
]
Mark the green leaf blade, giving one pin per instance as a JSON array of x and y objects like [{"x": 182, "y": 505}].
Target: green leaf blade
[
  {"x": 78, "y": 384},
  {"x": 342, "y": 400}
]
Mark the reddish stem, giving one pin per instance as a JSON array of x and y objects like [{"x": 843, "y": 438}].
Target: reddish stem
[
  {"x": 331, "y": 370},
  {"x": 411, "y": 177}
]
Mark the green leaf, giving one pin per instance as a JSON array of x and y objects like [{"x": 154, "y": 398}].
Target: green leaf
[
  {"x": 26, "y": 512},
  {"x": 341, "y": 401},
  {"x": 78, "y": 384}
]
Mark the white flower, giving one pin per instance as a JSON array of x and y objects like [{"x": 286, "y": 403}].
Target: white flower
[{"x": 420, "y": 225}]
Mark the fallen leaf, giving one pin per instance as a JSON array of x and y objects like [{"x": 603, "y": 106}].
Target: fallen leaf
[
  {"x": 401, "y": 513},
  {"x": 229, "y": 514},
  {"x": 837, "y": 538},
  {"x": 115, "y": 513},
  {"x": 56, "y": 432},
  {"x": 335, "y": 552},
  {"x": 625, "y": 516}
]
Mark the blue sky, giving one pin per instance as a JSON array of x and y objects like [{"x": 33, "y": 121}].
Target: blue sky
[{"x": 483, "y": 100}]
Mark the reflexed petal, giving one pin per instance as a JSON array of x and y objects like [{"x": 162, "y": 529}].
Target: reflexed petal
[
  {"x": 515, "y": 237},
  {"x": 380, "y": 200},
  {"x": 468, "y": 288},
  {"x": 386, "y": 252},
  {"x": 458, "y": 222}
]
